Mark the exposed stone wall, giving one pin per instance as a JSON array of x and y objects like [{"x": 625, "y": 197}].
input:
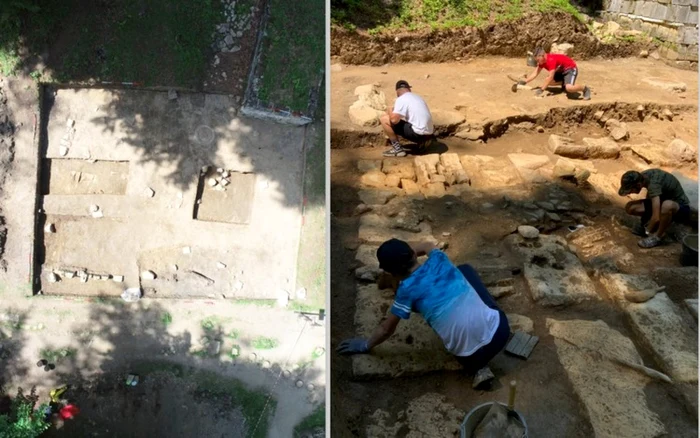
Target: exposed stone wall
[{"x": 675, "y": 22}]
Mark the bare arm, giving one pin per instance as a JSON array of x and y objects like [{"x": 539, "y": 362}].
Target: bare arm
[
  {"x": 548, "y": 80},
  {"x": 533, "y": 75},
  {"x": 384, "y": 331},
  {"x": 422, "y": 248},
  {"x": 655, "y": 213}
]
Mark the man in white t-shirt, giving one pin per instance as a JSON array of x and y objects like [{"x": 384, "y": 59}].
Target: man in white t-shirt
[
  {"x": 453, "y": 300},
  {"x": 410, "y": 119}
]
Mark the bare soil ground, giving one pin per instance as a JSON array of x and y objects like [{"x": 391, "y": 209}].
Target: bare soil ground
[
  {"x": 503, "y": 39},
  {"x": 478, "y": 220}
]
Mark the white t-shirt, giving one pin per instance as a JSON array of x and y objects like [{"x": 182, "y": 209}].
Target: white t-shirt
[{"x": 413, "y": 109}]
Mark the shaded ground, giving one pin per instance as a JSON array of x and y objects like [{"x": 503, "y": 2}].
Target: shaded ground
[
  {"x": 474, "y": 223},
  {"x": 290, "y": 71}
]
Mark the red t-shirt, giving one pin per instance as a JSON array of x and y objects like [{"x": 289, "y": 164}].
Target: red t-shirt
[{"x": 561, "y": 63}]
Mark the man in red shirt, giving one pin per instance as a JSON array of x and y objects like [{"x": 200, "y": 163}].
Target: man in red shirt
[{"x": 562, "y": 69}]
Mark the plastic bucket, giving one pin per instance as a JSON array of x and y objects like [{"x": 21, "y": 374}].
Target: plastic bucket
[
  {"x": 474, "y": 417},
  {"x": 689, "y": 256}
]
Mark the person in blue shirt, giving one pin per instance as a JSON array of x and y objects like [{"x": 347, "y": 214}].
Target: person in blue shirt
[{"x": 453, "y": 301}]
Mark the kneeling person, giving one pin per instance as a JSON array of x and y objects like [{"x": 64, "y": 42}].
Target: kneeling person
[
  {"x": 666, "y": 202},
  {"x": 453, "y": 300},
  {"x": 410, "y": 119},
  {"x": 562, "y": 69}
]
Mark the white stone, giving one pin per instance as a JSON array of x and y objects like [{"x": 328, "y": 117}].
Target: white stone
[
  {"x": 238, "y": 285},
  {"x": 148, "y": 275},
  {"x": 301, "y": 293},
  {"x": 174, "y": 268},
  {"x": 205, "y": 169},
  {"x": 50, "y": 228},
  {"x": 149, "y": 192},
  {"x": 186, "y": 250},
  {"x": 682, "y": 151},
  {"x": 562, "y": 49},
  {"x": 364, "y": 116},
  {"x": 287, "y": 374},
  {"x": 528, "y": 232},
  {"x": 310, "y": 387},
  {"x": 70, "y": 123},
  {"x": 282, "y": 298},
  {"x": 253, "y": 357},
  {"x": 299, "y": 383},
  {"x": 225, "y": 182},
  {"x": 53, "y": 278},
  {"x": 266, "y": 364},
  {"x": 118, "y": 278},
  {"x": 97, "y": 214},
  {"x": 63, "y": 150},
  {"x": 94, "y": 208}
]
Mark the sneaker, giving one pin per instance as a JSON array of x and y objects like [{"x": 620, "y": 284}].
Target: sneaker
[
  {"x": 483, "y": 378},
  {"x": 586, "y": 93},
  {"x": 649, "y": 242},
  {"x": 395, "y": 152}
]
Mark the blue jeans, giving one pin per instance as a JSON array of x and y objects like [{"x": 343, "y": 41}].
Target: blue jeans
[{"x": 481, "y": 357}]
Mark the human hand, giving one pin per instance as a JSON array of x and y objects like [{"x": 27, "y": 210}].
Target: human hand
[
  {"x": 538, "y": 92},
  {"x": 522, "y": 82},
  {"x": 353, "y": 346}
]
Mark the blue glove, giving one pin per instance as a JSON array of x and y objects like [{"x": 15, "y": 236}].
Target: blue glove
[{"x": 353, "y": 346}]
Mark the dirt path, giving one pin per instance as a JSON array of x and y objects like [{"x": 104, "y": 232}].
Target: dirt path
[
  {"x": 480, "y": 90},
  {"x": 474, "y": 223}
]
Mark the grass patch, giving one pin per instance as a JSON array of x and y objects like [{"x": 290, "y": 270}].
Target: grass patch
[
  {"x": 293, "y": 57},
  {"x": 54, "y": 356},
  {"x": 311, "y": 265},
  {"x": 314, "y": 422},
  {"x": 212, "y": 323},
  {"x": 264, "y": 343},
  {"x": 166, "y": 318},
  {"x": 259, "y": 303},
  {"x": 254, "y": 404},
  {"x": 410, "y": 15},
  {"x": 160, "y": 42}
]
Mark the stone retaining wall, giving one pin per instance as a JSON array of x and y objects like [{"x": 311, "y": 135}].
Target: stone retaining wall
[{"x": 675, "y": 22}]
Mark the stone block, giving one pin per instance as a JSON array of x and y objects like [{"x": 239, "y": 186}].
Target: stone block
[
  {"x": 652, "y": 154},
  {"x": 692, "y": 305},
  {"x": 362, "y": 115},
  {"x": 376, "y": 197},
  {"x": 681, "y": 14},
  {"x": 688, "y": 35},
  {"x": 682, "y": 151},
  {"x": 562, "y": 49},
  {"x": 446, "y": 121},
  {"x": 433, "y": 190},
  {"x": 371, "y": 96},
  {"x": 554, "y": 275},
  {"x": 425, "y": 166},
  {"x": 659, "y": 324},
  {"x": 453, "y": 170},
  {"x": 615, "y": 6},
  {"x": 378, "y": 229},
  {"x": 602, "y": 147},
  {"x": 399, "y": 166},
  {"x": 646, "y": 9},
  {"x": 410, "y": 187},
  {"x": 367, "y": 255},
  {"x": 664, "y": 84},
  {"x": 373, "y": 178},
  {"x": 583, "y": 346},
  {"x": 414, "y": 348},
  {"x": 520, "y": 322},
  {"x": 393, "y": 181},
  {"x": 661, "y": 12},
  {"x": 684, "y": 2}
]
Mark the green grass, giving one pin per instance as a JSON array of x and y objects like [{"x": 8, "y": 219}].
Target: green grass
[
  {"x": 264, "y": 343},
  {"x": 255, "y": 404},
  {"x": 311, "y": 265},
  {"x": 260, "y": 303},
  {"x": 166, "y": 318},
  {"x": 160, "y": 42},
  {"x": 315, "y": 421},
  {"x": 411, "y": 15},
  {"x": 212, "y": 323},
  {"x": 293, "y": 56},
  {"x": 54, "y": 356}
]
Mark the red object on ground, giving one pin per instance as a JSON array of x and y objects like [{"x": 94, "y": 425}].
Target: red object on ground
[{"x": 68, "y": 412}]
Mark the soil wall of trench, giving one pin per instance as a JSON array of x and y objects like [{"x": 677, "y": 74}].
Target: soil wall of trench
[
  {"x": 510, "y": 39},
  {"x": 577, "y": 115}
]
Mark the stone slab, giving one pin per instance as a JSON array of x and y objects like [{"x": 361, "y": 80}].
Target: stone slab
[
  {"x": 399, "y": 166},
  {"x": 375, "y": 197},
  {"x": 377, "y": 229},
  {"x": 554, "y": 275},
  {"x": 664, "y": 84},
  {"x": 652, "y": 154},
  {"x": 414, "y": 348},
  {"x": 659, "y": 324},
  {"x": 692, "y": 305},
  {"x": 520, "y": 322},
  {"x": 595, "y": 379}
]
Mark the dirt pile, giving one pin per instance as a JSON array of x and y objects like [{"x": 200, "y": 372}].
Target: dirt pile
[
  {"x": 7, "y": 155},
  {"x": 511, "y": 39}
]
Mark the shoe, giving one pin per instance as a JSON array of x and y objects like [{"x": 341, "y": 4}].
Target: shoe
[
  {"x": 483, "y": 378},
  {"x": 586, "y": 93},
  {"x": 649, "y": 242},
  {"x": 394, "y": 152}
]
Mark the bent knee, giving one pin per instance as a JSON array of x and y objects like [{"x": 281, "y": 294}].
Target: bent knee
[
  {"x": 669, "y": 207},
  {"x": 384, "y": 118}
]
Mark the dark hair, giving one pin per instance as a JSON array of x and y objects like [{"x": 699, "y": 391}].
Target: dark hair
[
  {"x": 395, "y": 257},
  {"x": 539, "y": 52}
]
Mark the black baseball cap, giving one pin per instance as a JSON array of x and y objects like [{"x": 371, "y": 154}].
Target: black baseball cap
[
  {"x": 402, "y": 84},
  {"x": 395, "y": 256},
  {"x": 629, "y": 181}
]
